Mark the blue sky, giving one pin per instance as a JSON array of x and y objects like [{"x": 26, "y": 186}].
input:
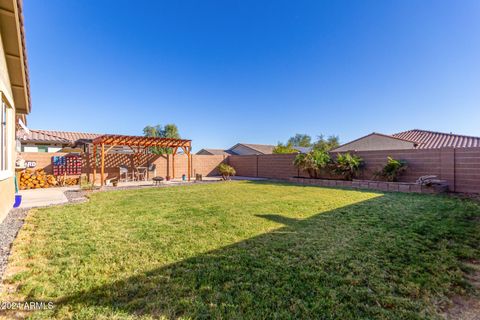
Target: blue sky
[{"x": 254, "y": 71}]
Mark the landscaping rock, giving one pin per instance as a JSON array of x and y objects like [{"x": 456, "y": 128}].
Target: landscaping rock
[{"x": 8, "y": 232}]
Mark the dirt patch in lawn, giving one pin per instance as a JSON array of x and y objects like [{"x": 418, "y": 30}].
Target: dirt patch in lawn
[{"x": 467, "y": 307}]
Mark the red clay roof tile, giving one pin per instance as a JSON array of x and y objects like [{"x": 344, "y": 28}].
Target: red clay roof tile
[{"x": 433, "y": 140}]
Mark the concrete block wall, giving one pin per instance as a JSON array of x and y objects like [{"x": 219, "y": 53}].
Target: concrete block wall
[
  {"x": 467, "y": 170},
  {"x": 201, "y": 164},
  {"x": 459, "y": 166},
  {"x": 277, "y": 166},
  {"x": 420, "y": 163},
  {"x": 246, "y": 166}
]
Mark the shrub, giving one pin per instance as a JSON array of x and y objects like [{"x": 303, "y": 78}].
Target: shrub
[
  {"x": 392, "y": 170},
  {"x": 312, "y": 161},
  {"x": 85, "y": 184},
  {"x": 347, "y": 165},
  {"x": 226, "y": 171}
]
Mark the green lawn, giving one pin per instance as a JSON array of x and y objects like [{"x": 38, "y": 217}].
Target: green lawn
[{"x": 247, "y": 250}]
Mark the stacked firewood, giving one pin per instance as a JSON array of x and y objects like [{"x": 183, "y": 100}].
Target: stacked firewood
[
  {"x": 68, "y": 181},
  {"x": 36, "y": 179}
]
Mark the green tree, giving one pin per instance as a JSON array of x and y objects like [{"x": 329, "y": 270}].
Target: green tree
[
  {"x": 327, "y": 144},
  {"x": 159, "y": 131},
  {"x": 171, "y": 131},
  {"x": 300, "y": 140},
  {"x": 284, "y": 148}
]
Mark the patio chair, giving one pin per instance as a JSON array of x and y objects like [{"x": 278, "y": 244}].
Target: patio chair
[
  {"x": 141, "y": 174},
  {"x": 123, "y": 173}
]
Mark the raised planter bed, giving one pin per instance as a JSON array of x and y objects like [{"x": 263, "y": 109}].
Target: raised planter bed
[{"x": 368, "y": 184}]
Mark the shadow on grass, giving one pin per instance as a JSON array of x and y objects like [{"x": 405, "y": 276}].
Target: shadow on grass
[{"x": 388, "y": 257}]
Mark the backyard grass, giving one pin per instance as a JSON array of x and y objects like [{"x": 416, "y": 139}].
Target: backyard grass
[{"x": 247, "y": 250}]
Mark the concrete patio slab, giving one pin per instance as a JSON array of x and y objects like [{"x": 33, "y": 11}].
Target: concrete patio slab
[{"x": 44, "y": 197}]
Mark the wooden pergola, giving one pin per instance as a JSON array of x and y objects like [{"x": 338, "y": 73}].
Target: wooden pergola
[{"x": 137, "y": 144}]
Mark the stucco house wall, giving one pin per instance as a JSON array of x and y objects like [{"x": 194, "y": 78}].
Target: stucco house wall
[
  {"x": 374, "y": 142},
  {"x": 7, "y": 189},
  {"x": 14, "y": 92}
]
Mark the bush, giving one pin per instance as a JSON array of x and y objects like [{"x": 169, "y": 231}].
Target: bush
[
  {"x": 392, "y": 170},
  {"x": 312, "y": 162},
  {"x": 347, "y": 165},
  {"x": 226, "y": 171}
]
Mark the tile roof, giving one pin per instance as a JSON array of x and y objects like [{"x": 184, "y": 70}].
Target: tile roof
[
  {"x": 432, "y": 140},
  {"x": 54, "y": 136}
]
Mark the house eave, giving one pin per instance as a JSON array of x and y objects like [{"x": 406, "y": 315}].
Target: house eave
[{"x": 13, "y": 36}]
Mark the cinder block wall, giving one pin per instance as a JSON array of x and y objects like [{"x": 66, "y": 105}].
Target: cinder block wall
[
  {"x": 246, "y": 166},
  {"x": 201, "y": 164},
  {"x": 420, "y": 162},
  {"x": 460, "y": 167},
  {"x": 467, "y": 170}
]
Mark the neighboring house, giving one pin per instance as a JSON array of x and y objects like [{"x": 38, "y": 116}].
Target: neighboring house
[
  {"x": 51, "y": 141},
  {"x": 434, "y": 140},
  {"x": 211, "y": 152},
  {"x": 15, "y": 95},
  {"x": 303, "y": 149},
  {"x": 411, "y": 139},
  {"x": 243, "y": 149},
  {"x": 240, "y": 149},
  {"x": 246, "y": 149}
]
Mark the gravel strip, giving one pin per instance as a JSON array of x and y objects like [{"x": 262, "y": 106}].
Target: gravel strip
[
  {"x": 75, "y": 196},
  {"x": 8, "y": 232}
]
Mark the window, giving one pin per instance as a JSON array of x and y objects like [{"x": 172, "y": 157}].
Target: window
[
  {"x": 5, "y": 147},
  {"x": 42, "y": 148}
]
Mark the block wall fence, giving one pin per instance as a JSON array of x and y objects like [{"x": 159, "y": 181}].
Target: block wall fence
[
  {"x": 201, "y": 164},
  {"x": 460, "y": 167}
]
